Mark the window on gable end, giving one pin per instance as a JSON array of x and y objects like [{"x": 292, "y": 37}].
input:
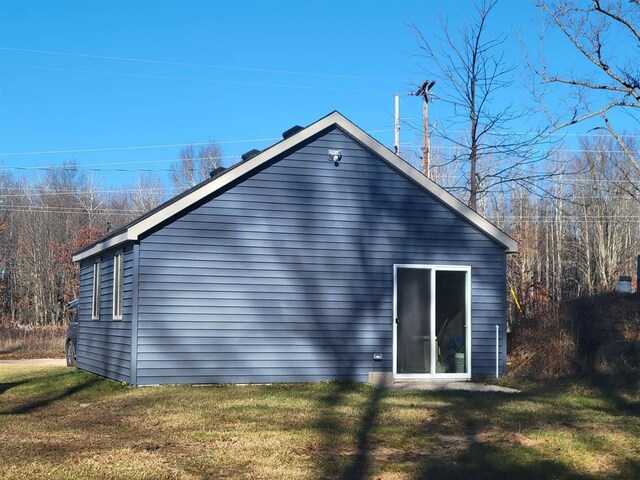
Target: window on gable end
[
  {"x": 95, "y": 299},
  {"x": 118, "y": 271}
]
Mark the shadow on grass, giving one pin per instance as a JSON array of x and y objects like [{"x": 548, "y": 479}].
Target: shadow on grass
[
  {"x": 44, "y": 401},
  {"x": 491, "y": 462},
  {"x": 477, "y": 435},
  {"x": 629, "y": 469},
  {"x": 617, "y": 388},
  {"x": 462, "y": 448},
  {"x": 338, "y": 458},
  {"x": 458, "y": 447},
  {"x": 72, "y": 415},
  {"x": 360, "y": 466},
  {"x": 42, "y": 379},
  {"x": 9, "y": 385},
  {"x": 490, "y": 426}
]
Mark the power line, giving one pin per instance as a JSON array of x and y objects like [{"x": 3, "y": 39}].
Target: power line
[
  {"x": 271, "y": 139},
  {"x": 98, "y": 212},
  {"x": 70, "y": 208},
  {"x": 566, "y": 180},
  {"x": 41, "y": 208},
  {"x": 632, "y": 220},
  {"x": 418, "y": 129},
  {"x": 193, "y": 79},
  {"x": 201, "y": 65},
  {"x": 573, "y": 217},
  {"x": 101, "y": 164},
  {"x": 88, "y": 192},
  {"x": 137, "y": 147},
  {"x": 123, "y": 170},
  {"x": 161, "y": 145},
  {"x": 560, "y": 150}
]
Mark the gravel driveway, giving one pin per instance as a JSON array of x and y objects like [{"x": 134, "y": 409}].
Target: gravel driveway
[{"x": 58, "y": 362}]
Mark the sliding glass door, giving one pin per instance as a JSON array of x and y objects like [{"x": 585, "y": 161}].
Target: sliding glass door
[{"x": 432, "y": 321}]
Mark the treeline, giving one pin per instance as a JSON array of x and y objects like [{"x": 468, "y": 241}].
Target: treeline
[
  {"x": 576, "y": 218},
  {"x": 578, "y": 230},
  {"x": 44, "y": 220},
  {"x": 42, "y": 223}
]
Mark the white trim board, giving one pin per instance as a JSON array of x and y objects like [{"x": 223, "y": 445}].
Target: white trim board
[
  {"x": 138, "y": 228},
  {"x": 433, "y": 376}
]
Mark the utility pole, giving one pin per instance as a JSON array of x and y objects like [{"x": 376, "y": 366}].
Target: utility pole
[
  {"x": 396, "y": 143},
  {"x": 424, "y": 92}
]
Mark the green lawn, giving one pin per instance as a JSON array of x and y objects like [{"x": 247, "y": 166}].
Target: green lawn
[{"x": 59, "y": 423}]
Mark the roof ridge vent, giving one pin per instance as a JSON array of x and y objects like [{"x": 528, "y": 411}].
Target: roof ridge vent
[
  {"x": 292, "y": 131},
  {"x": 250, "y": 154},
  {"x": 216, "y": 171}
]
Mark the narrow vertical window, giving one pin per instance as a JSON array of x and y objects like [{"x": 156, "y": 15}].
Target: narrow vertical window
[
  {"x": 117, "y": 286},
  {"x": 95, "y": 300}
]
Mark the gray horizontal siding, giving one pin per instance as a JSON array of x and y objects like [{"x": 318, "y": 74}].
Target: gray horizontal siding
[
  {"x": 339, "y": 324},
  {"x": 193, "y": 337},
  {"x": 288, "y": 276},
  {"x": 104, "y": 345},
  {"x": 160, "y": 377},
  {"x": 271, "y": 351}
]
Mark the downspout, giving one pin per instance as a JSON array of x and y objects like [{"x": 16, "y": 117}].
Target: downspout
[
  {"x": 497, "y": 351},
  {"x": 134, "y": 316}
]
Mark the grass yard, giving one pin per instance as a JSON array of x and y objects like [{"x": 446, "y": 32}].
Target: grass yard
[{"x": 59, "y": 423}]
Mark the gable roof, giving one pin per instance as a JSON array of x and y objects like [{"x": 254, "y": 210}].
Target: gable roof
[{"x": 134, "y": 230}]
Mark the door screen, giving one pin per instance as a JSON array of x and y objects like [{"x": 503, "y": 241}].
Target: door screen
[{"x": 413, "y": 320}]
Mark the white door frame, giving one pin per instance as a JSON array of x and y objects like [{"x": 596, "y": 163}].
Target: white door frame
[{"x": 432, "y": 315}]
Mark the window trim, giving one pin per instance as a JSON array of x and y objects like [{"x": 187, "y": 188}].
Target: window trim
[
  {"x": 95, "y": 291},
  {"x": 118, "y": 284}
]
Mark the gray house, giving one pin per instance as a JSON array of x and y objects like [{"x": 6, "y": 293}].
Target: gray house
[{"x": 323, "y": 257}]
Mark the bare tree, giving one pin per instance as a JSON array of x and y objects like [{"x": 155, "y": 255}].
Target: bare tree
[
  {"x": 606, "y": 218},
  {"x": 193, "y": 166},
  {"x": 602, "y": 32},
  {"x": 92, "y": 202},
  {"x": 471, "y": 74},
  {"x": 580, "y": 239},
  {"x": 146, "y": 194},
  {"x": 43, "y": 222}
]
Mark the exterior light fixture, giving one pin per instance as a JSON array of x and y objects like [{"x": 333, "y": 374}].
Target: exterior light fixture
[{"x": 335, "y": 156}]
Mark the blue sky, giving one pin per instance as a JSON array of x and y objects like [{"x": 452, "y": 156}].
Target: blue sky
[{"x": 90, "y": 78}]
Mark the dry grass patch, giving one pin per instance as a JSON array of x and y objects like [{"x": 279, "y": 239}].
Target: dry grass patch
[
  {"x": 59, "y": 423},
  {"x": 37, "y": 342}
]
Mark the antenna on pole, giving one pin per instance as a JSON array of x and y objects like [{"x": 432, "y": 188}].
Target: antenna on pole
[
  {"x": 424, "y": 92},
  {"x": 396, "y": 142}
]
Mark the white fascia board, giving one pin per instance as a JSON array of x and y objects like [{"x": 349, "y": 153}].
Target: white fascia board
[
  {"x": 452, "y": 202},
  {"x": 99, "y": 247},
  {"x": 134, "y": 232}
]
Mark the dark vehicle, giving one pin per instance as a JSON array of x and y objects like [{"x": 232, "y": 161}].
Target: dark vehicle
[{"x": 71, "y": 343}]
